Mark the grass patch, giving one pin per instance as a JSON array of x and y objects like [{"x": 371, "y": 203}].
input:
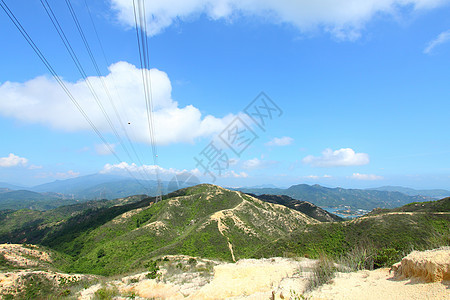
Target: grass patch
[
  {"x": 322, "y": 273},
  {"x": 106, "y": 293}
]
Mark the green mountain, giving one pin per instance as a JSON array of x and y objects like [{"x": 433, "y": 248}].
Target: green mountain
[
  {"x": 383, "y": 236},
  {"x": 205, "y": 221},
  {"x": 438, "y": 206},
  {"x": 341, "y": 198},
  {"x": 116, "y": 236}
]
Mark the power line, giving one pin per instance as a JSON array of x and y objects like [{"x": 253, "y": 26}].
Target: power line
[
  {"x": 100, "y": 76},
  {"x": 141, "y": 33},
  {"x": 58, "y": 79},
  {"x": 79, "y": 66},
  {"x": 115, "y": 87}
]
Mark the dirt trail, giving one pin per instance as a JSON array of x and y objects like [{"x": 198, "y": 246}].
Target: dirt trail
[
  {"x": 222, "y": 227},
  {"x": 399, "y": 213}
]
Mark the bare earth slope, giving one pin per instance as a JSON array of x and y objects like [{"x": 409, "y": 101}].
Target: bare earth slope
[
  {"x": 282, "y": 278},
  {"x": 420, "y": 275}
]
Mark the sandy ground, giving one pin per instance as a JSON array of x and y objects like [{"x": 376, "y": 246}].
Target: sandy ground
[
  {"x": 246, "y": 279},
  {"x": 379, "y": 284},
  {"x": 274, "y": 278},
  {"x": 281, "y": 278}
]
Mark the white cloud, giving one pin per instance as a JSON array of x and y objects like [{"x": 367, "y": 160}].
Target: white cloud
[
  {"x": 337, "y": 158},
  {"x": 12, "y": 160},
  {"x": 442, "y": 38},
  {"x": 283, "y": 141},
  {"x": 41, "y": 100},
  {"x": 166, "y": 174},
  {"x": 104, "y": 149},
  {"x": 134, "y": 168},
  {"x": 343, "y": 18},
  {"x": 257, "y": 163},
  {"x": 359, "y": 176}
]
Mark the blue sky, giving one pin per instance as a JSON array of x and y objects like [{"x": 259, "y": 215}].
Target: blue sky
[{"x": 363, "y": 89}]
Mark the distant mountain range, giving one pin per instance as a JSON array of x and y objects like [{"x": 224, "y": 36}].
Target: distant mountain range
[
  {"x": 27, "y": 199},
  {"x": 83, "y": 188},
  {"x": 341, "y": 198},
  {"x": 204, "y": 220},
  {"x": 5, "y": 185},
  {"x": 436, "y": 193},
  {"x": 103, "y": 186}
]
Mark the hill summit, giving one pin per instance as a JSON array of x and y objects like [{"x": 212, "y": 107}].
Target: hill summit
[{"x": 204, "y": 221}]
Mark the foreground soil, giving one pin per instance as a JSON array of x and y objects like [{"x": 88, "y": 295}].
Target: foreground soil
[
  {"x": 380, "y": 284},
  {"x": 420, "y": 275}
]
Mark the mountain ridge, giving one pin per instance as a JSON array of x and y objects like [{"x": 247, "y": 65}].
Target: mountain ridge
[
  {"x": 435, "y": 193},
  {"x": 340, "y": 197}
]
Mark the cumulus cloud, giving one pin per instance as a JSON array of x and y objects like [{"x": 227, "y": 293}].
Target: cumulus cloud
[
  {"x": 359, "y": 176},
  {"x": 343, "y": 18},
  {"x": 12, "y": 160},
  {"x": 125, "y": 168},
  {"x": 337, "y": 158},
  {"x": 442, "y": 38},
  {"x": 41, "y": 100},
  {"x": 122, "y": 167},
  {"x": 283, "y": 141}
]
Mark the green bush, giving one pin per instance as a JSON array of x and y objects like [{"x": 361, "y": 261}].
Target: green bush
[
  {"x": 386, "y": 257},
  {"x": 153, "y": 269},
  {"x": 106, "y": 293},
  {"x": 100, "y": 253},
  {"x": 65, "y": 293}
]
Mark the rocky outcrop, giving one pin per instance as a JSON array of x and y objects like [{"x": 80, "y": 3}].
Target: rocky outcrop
[{"x": 430, "y": 266}]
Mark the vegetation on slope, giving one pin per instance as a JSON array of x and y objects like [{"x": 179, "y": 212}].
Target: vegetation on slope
[
  {"x": 386, "y": 237},
  {"x": 112, "y": 237},
  {"x": 205, "y": 220},
  {"x": 442, "y": 205}
]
